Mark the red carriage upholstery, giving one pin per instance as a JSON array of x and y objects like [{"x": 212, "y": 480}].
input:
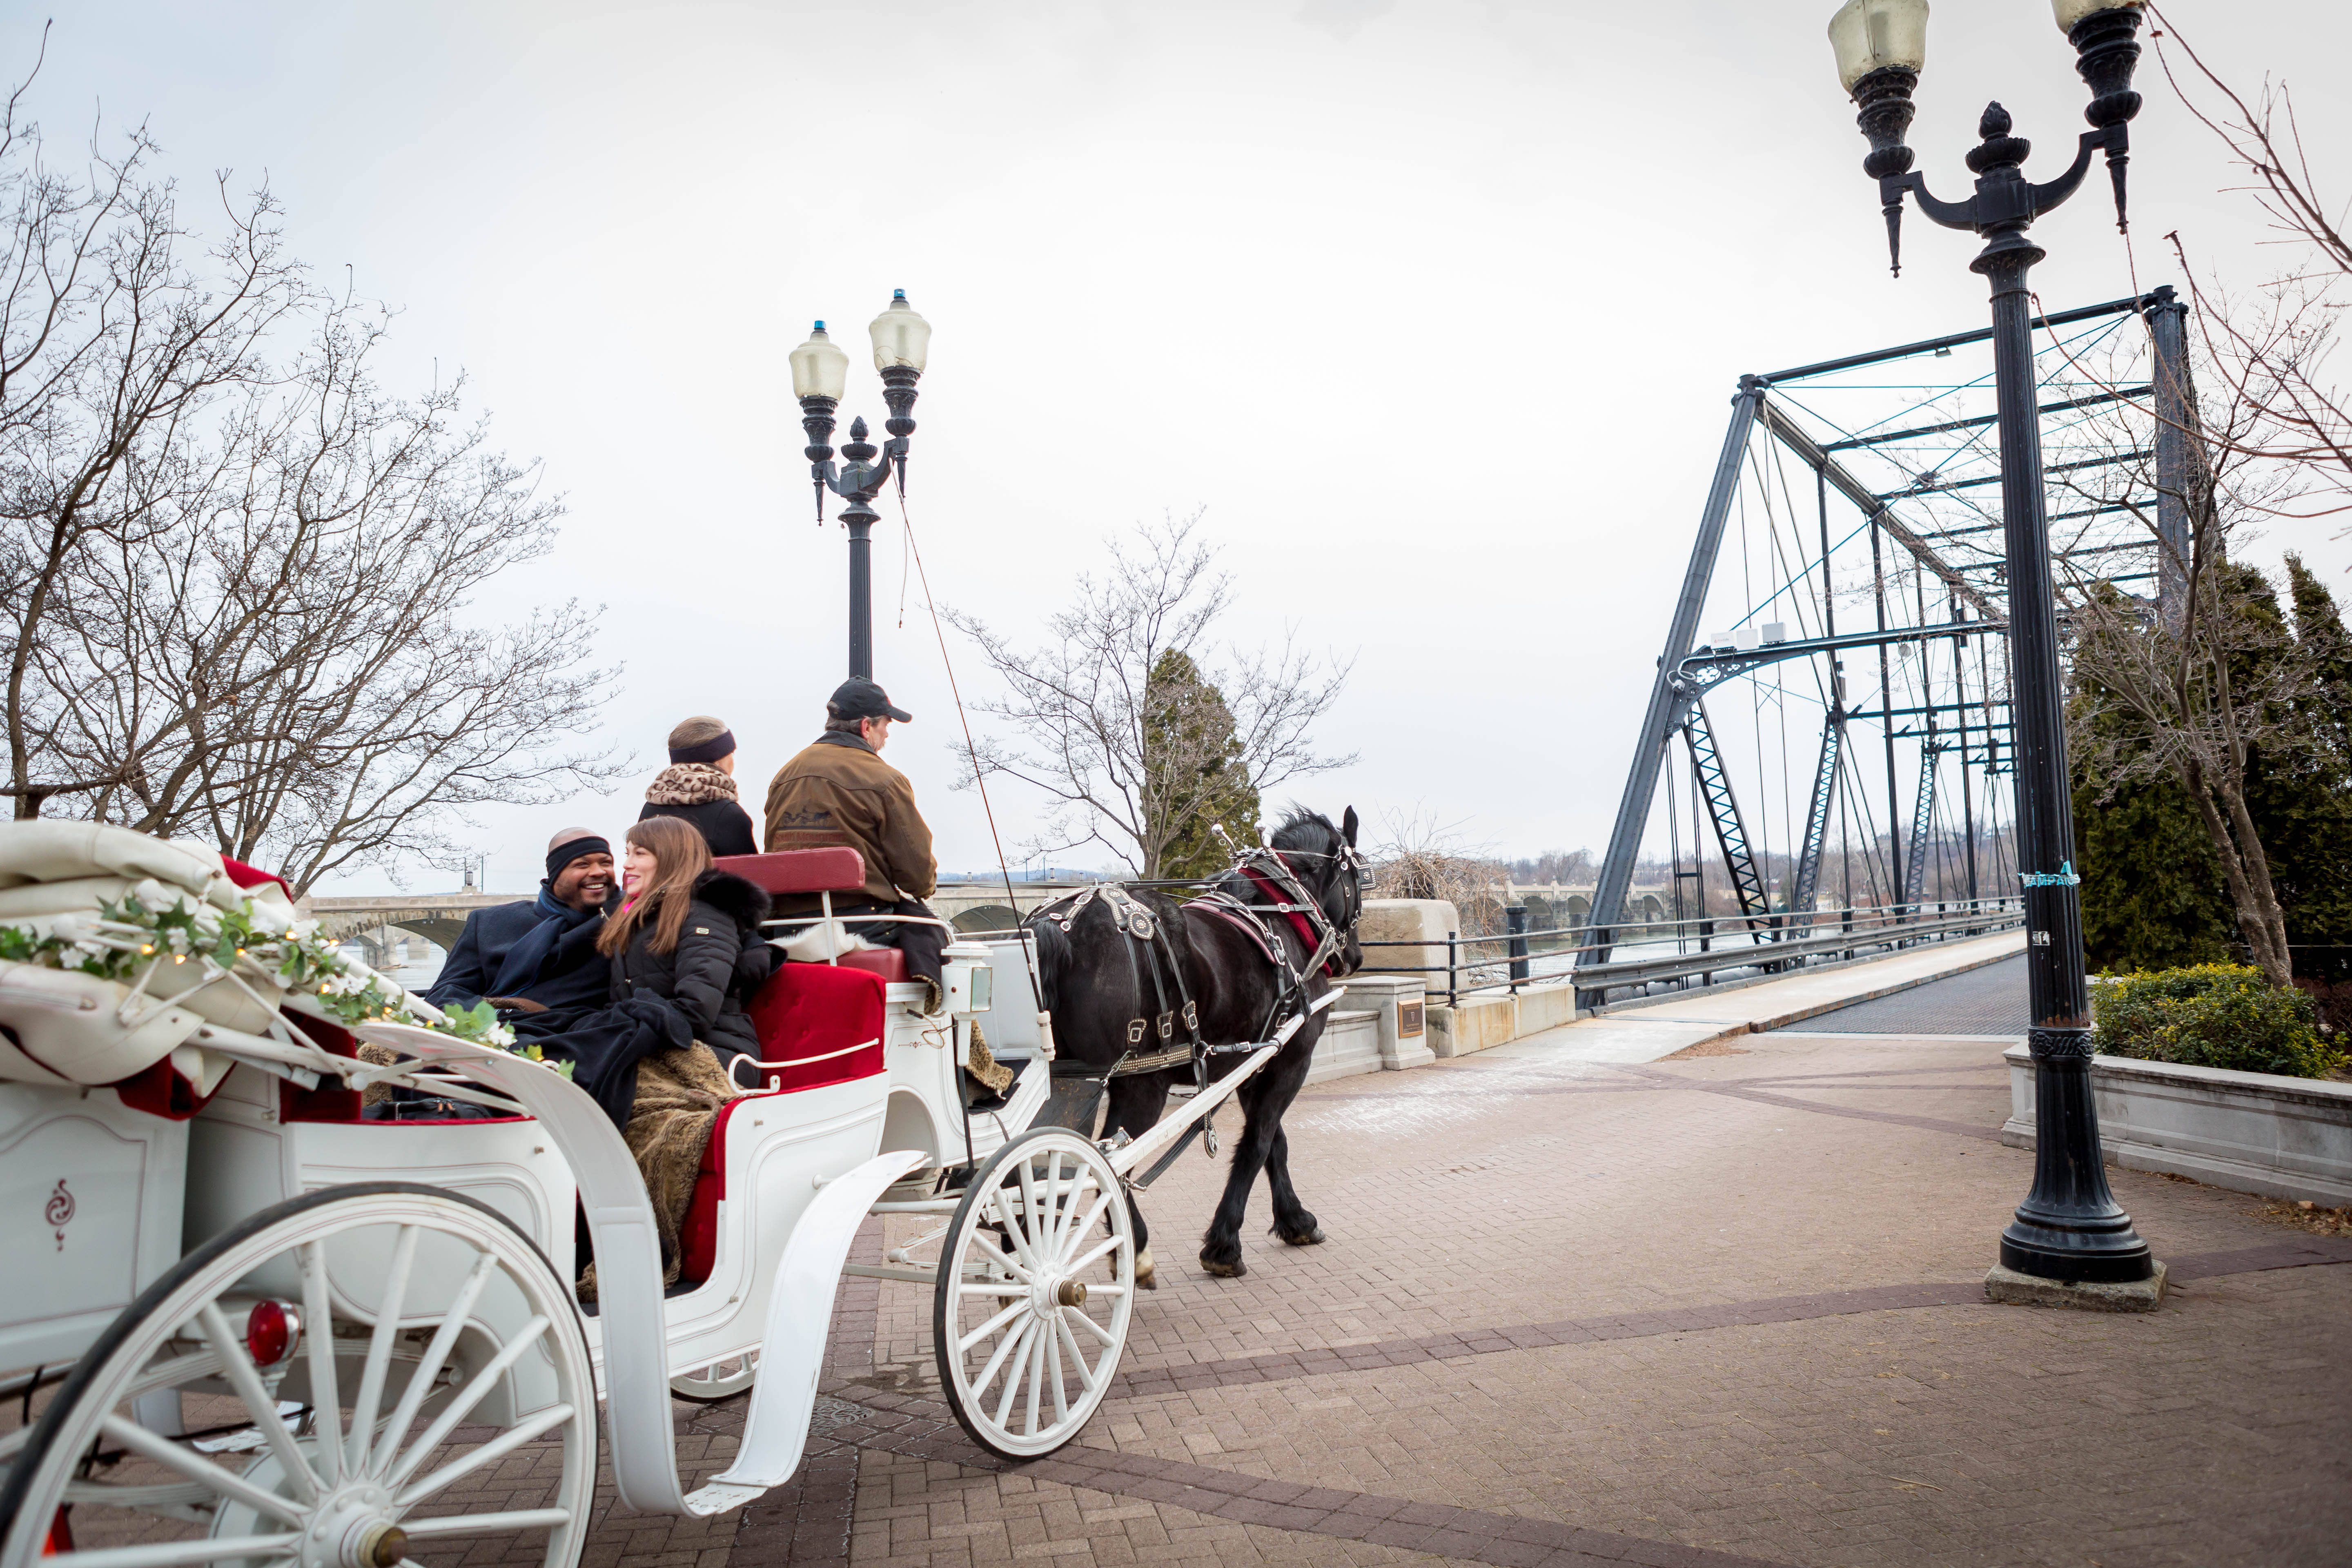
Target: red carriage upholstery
[
  {"x": 698, "y": 1238},
  {"x": 888, "y": 963},
  {"x": 834, "y": 869},
  {"x": 828, "y": 1022}
]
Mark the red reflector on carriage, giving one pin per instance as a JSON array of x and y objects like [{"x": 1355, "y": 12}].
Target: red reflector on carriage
[
  {"x": 272, "y": 1330},
  {"x": 834, "y": 869}
]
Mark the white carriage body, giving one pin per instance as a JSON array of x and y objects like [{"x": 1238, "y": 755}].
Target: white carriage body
[
  {"x": 90, "y": 1214},
  {"x": 151, "y": 1123}
]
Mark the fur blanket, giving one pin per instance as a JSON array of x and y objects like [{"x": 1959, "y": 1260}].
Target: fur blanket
[
  {"x": 690, "y": 784},
  {"x": 679, "y": 1096},
  {"x": 981, "y": 1063}
]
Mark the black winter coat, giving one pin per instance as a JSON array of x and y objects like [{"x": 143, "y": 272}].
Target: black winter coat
[
  {"x": 724, "y": 826},
  {"x": 719, "y": 963}
]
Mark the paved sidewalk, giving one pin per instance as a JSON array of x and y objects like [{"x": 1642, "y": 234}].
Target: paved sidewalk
[
  {"x": 1987, "y": 1000},
  {"x": 1646, "y": 1031},
  {"x": 1707, "y": 1310}
]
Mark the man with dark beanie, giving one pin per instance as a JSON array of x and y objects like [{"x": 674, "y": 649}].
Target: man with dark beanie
[
  {"x": 840, "y": 791},
  {"x": 536, "y": 960}
]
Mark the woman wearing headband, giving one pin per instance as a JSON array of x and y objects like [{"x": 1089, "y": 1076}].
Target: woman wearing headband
[{"x": 699, "y": 788}]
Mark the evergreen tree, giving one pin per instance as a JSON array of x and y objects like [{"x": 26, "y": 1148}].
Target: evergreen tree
[
  {"x": 1197, "y": 770},
  {"x": 2152, "y": 891},
  {"x": 2303, "y": 804},
  {"x": 2153, "y": 894}
]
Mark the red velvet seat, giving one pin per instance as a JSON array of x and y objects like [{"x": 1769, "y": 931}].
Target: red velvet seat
[
  {"x": 837, "y": 869},
  {"x": 889, "y": 962},
  {"x": 826, "y": 1023},
  {"x": 834, "y": 869}
]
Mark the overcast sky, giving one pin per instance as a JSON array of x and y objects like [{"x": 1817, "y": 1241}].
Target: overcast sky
[{"x": 1432, "y": 309}]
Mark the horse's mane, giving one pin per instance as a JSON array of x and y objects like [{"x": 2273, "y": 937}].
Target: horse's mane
[
  {"x": 1300, "y": 829},
  {"x": 1305, "y": 829}
]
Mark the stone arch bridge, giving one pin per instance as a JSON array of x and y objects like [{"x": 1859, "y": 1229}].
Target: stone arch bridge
[{"x": 377, "y": 922}]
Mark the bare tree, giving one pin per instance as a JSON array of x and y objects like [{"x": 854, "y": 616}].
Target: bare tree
[
  {"x": 2200, "y": 696},
  {"x": 237, "y": 585},
  {"x": 1090, "y": 726},
  {"x": 2274, "y": 349},
  {"x": 1417, "y": 855},
  {"x": 2206, "y": 695},
  {"x": 112, "y": 342}
]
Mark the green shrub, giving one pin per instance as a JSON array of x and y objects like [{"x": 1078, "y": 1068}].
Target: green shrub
[{"x": 2213, "y": 1015}]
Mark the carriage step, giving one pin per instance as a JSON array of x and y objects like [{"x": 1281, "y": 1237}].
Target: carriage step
[{"x": 719, "y": 1497}]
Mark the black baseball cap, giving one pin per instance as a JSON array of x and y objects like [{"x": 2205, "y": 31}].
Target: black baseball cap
[{"x": 860, "y": 698}]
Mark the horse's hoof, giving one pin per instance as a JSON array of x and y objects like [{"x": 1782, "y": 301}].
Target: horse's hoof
[
  {"x": 1311, "y": 1236},
  {"x": 1147, "y": 1273},
  {"x": 1223, "y": 1270}
]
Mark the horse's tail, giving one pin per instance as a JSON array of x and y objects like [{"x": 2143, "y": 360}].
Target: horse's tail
[{"x": 1053, "y": 960}]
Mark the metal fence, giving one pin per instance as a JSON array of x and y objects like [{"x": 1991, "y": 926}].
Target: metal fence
[{"x": 1703, "y": 948}]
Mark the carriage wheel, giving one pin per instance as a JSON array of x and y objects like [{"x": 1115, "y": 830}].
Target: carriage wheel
[
  {"x": 1035, "y": 1287},
  {"x": 246, "y": 1411},
  {"x": 720, "y": 1380}
]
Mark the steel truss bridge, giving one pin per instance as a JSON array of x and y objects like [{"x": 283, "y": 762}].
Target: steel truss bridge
[{"x": 1836, "y": 668}]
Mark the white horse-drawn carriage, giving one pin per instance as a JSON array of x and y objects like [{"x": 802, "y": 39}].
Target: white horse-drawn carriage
[{"x": 242, "y": 1324}]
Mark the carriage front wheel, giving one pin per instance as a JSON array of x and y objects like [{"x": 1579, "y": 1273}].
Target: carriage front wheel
[
  {"x": 1036, "y": 1284},
  {"x": 324, "y": 1384}
]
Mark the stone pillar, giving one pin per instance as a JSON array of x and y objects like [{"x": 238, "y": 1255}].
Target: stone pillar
[
  {"x": 1421, "y": 920},
  {"x": 1400, "y": 1001}
]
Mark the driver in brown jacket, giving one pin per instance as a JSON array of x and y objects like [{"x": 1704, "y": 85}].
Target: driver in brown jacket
[{"x": 839, "y": 791}]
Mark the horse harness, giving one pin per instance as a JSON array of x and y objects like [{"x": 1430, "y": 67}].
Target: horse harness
[
  {"x": 1147, "y": 947},
  {"x": 1151, "y": 1044}
]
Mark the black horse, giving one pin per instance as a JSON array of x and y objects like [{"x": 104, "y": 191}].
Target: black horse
[{"x": 1098, "y": 980}]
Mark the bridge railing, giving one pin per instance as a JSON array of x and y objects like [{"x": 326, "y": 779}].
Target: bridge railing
[{"x": 1705, "y": 946}]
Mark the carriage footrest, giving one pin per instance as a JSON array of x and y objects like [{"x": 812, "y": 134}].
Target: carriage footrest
[{"x": 720, "y": 1497}]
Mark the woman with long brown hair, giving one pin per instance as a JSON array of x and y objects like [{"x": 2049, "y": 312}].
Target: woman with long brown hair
[
  {"x": 686, "y": 955},
  {"x": 688, "y": 935}
]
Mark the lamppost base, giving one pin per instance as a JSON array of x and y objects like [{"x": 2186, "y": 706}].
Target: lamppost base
[{"x": 2008, "y": 1287}]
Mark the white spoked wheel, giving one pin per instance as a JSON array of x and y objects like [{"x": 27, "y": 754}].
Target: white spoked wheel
[
  {"x": 1035, "y": 1287},
  {"x": 288, "y": 1395},
  {"x": 720, "y": 1380}
]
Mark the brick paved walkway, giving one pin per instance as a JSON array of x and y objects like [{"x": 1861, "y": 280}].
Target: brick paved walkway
[{"x": 1713, "y": 1311}]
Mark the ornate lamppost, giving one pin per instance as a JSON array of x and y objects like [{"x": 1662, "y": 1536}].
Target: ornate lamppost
[
  {"x": 2068, "y": 1235},
  {"x": 902, "y": 342}
]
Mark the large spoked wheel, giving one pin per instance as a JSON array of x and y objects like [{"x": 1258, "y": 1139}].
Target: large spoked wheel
[
  {"x": 1035, "y": 1287},
  {"x": 286, "y": 1396}
]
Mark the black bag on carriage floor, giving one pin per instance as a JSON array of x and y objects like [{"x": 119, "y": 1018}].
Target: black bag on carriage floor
[{"x": 405, "y": 1104}]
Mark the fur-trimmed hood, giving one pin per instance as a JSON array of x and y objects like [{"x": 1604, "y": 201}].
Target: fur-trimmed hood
[
  {"x": 690, "y": 784},
  {"x": 744, "y": 902}
]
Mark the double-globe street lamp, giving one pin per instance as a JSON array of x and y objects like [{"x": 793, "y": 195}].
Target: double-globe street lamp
[
  {"x": 902, "y": 342},
  {"x": 2069, "y": 1228}
]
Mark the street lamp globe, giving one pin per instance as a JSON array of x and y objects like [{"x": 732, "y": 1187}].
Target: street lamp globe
[
  {"x": 901, "y": 338},
  {"x": 1874, "y": 34},
  {"x": 2069, "y": 12},
  {"x": 819, "y": 368}
]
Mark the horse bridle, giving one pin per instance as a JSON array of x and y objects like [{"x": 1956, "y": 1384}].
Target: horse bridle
[{"x": 1326, "y": 934}]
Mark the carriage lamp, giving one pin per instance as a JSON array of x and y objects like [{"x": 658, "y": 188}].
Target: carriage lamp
[
  {"x": 272, "y": 1330},
  {"x": 2069, "y": 1230},
  {"x": 902, "y": 342}
]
